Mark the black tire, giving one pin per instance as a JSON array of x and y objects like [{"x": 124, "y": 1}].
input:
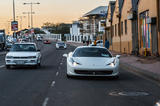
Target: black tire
[
  {"x": 68, "y": 76},
  {"x": 116, "y": 77},
  {"x": 8, "y": 66}
]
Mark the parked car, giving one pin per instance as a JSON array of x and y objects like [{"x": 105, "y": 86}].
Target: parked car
[
  {"x": 61, "y": 45},
  {"x": 100, "y": 43},
  {"x": 39, "y": 38},
  {"x": 23, "y": 54},
  {"x": 2, "y": 39},
  {"x": 8, "y": 44},
  {"x": 92, "y": 61},
  {"x": 47, "y": 42}
]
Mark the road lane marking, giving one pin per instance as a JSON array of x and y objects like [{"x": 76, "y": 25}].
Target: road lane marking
[
  {"x": 53, "y": 83},
  {"x": 57, "y": 73},
  {"x": 45, "y": 102},
  {"x": 2, "y": 66}
]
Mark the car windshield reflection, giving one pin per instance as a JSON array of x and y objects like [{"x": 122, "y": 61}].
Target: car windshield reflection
[
  {"x": 23, "y": 47},
  {"x": 92, "y": 52}
]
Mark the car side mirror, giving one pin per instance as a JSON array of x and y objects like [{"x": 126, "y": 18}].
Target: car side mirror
[
  {"x": 65, "y": 55},
  {"x": 118, "y": 56},
  {"x": 38, "y": 50}
]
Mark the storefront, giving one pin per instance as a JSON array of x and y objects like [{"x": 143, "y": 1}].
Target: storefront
[{"x": 145, "y": 31}]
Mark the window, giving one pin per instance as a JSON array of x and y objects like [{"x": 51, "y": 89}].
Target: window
[
  {"x": 122, "y": 28},
  {"x": 125, "y": 26},
  {"x": 112, "y": 31},
  {"x": 115, "y": 30},
  {"x": 118, "y": 29}
]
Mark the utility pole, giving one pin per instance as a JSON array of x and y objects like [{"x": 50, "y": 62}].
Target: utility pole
[
  {"x": 31, "y": 4},
  {"x": 14, "y": 14},
  {"x": 28, "y": 13}
]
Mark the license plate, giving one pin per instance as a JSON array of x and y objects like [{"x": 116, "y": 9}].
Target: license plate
[{"x": 20, "y": 62}]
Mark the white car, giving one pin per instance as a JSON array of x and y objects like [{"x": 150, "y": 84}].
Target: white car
[
  {"x": 92, "y": 61},
  {"x": 23, "y": 54},
  {"x": 100, "y": 43},
  {"x": 61, "y": 45}
]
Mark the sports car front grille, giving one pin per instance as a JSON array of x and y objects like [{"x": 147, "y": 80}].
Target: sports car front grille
[
  {"x": 95, "y": 72},
  {"x": 61, "y": 47}
]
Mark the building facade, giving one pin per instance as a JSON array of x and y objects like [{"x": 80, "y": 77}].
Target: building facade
[
  {"x": 126, "y": 27},
  {"x": 75, "y": 34},
  {"x": 148, "y": 30},
  {"x": 109, "y": 31},
  {"x": 116, "y": 26},
  {"x": 96, "y": 22}
]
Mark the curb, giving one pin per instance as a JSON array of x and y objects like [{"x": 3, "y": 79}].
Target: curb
[
  {"x": 139, "y": 71},
  {"x": 3, "y": 53}
]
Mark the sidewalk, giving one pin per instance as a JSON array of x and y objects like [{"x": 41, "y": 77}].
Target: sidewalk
[
  {"x": 147, "y": 66},
  {"x": 2, "y": 52},
  {"x": 75, "y": 44}
]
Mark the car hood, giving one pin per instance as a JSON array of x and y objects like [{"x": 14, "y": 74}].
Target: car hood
[
  {"x": 20, "y": 54},
  {"x": 93, "y": 61}
]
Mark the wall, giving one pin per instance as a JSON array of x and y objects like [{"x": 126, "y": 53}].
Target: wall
[
  {"x": 126, "y": 38},
  {"x": 115, "y": 21}
]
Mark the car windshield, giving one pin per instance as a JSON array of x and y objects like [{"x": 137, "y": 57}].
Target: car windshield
[
  {"x": 91, "y": 52},
  {"x": 23, "y": 47},
  {"x": 60, "y": 43}
]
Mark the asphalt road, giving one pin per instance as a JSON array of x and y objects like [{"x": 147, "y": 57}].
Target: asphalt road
[{"x": 49, "y": 86}]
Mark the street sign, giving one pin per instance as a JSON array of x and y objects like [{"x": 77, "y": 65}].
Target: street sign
[{"x": 14, "y": 25}]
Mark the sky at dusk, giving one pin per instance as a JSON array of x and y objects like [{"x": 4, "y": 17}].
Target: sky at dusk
[{"x": 55, "y": 11}]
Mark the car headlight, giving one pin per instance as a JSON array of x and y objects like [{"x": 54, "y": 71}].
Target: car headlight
[
  {"x": 74, "y": 63},
  {"x": 113, "y": 63},
  {"x": 9, "y": 57}
]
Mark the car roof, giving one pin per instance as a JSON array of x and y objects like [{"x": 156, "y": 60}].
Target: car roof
[
  {"x": 91, "y": 47},
  {"x": 26, "y": 43}
]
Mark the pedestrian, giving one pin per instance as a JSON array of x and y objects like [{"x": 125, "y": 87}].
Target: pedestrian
[
  {"x": 107, "y": 44},
  {"x": 87, "y": 42},
  {"x": 95, "y": 42}
]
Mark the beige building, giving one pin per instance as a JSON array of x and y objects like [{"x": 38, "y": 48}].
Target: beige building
[
  {"x": 116, "y": 38},
  {"x": 126, "y": 27},
  {"x": 109, "y": 28},
  {"x": 148, "y": 30}
]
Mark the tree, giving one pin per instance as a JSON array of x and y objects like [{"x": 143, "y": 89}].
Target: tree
[{"x": 61, "y": 28}]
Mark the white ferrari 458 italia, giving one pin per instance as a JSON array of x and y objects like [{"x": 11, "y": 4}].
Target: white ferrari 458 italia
[{"x": 92, "y": 61}]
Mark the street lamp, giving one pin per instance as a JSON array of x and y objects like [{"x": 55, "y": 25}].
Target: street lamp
[
  {"x": 28, "y": 17},
  {"x": 31, "y": 11}
]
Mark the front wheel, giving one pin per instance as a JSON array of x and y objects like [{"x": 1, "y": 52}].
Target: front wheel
[
  {"x": 69, "y": 76},
  {"x": 8, "y": 67},
  {"x": 116, "y": 77}
]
